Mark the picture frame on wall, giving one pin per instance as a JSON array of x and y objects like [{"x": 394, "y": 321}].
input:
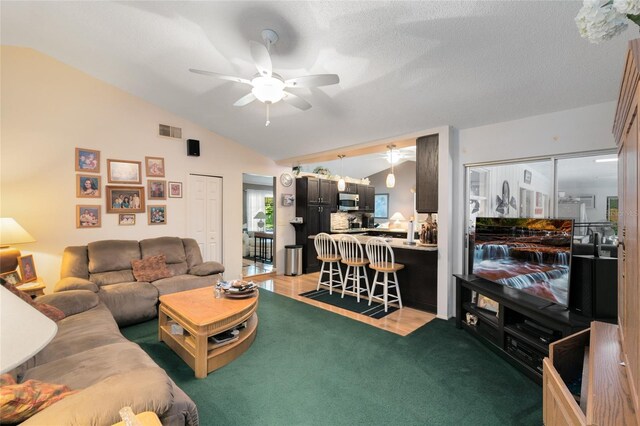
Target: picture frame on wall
[
  {"x": 125, "y": 199},
  {"x": 27, "y": 268},
  {"x": 288, "y": 200},
  {"x": 157, "y": 215},
  {"x": 88, "y": 186},
  {"x": 157, "y": 189},
  {"x": 12, "y": 277},
  {"x": 527, "y": 177},
  {"x": 175, "y": 189},
  {"x": 154, "y": 166},
  {"x": 123, "y": 171},
  {"x": 88, "y": 216},
  {"x": 381, "y": 206},
  {"x": 87, "y": 160},
  {"x": 126, "y": 219}
]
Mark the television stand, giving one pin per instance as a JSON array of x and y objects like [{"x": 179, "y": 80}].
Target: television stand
[{"x": 522, "y": 329}]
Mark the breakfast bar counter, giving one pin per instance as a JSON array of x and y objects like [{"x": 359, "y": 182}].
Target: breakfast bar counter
[{"x": 418, "y": 280}]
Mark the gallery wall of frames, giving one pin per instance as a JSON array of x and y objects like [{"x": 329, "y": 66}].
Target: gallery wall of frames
[{"x": 132, "y": 186}]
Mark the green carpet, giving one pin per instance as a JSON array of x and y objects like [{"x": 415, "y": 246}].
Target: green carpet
[{"x": 308, "y": 366}]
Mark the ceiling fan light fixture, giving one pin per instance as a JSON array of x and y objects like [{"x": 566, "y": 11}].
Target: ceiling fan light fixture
[{"x": 268, "y": 89}]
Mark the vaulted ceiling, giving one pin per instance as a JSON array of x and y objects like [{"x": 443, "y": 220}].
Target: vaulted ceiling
[{"x": 403, "y": 66}]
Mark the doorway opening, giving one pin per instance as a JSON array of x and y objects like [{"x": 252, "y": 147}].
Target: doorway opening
[{"x": 258, "y": 225}]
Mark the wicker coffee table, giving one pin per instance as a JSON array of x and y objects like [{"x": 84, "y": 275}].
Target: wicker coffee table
[{"x": 201, "y": 316}]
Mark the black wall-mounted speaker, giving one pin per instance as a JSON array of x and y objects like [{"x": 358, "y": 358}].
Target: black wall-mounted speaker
[{"x": 193, "y": 147}]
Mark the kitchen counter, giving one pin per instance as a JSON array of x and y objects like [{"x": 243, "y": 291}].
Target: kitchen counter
[{"x": 393, "y": 242}]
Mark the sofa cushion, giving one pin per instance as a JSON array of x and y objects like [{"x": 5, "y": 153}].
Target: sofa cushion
[
  {"x": 142, "y": 389},
  {"x": 130, "y": 302},
  {"x": 171, "y": 247},
  {"x": 75, "y": 283},
  {"x": 19, "y": 401},
  {"x": 151, "y": 268},
  {"x": 75, "y": 262},
  {"x": 182, "y": 283},
  {"x": 112, "y": 255},
  {"x": 50, "y": 311},
  {"x": 83, "y": 369},
  {"x": 192, "y": 250},
  {"x": 112, "y": 277},
  {"x": 178, "y": 268}
]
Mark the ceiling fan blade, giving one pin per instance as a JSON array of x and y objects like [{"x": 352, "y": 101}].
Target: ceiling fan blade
[
  {"x": 245, "y": 100},
  {"x": 261, "y": 57},
  {"x": 296, "y": 101},
  {"x": 221, "y": 76},
  {"x": 313, "y": 80}
]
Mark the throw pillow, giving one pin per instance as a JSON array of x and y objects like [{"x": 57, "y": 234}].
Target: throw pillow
[
  {"x": 207, "y": 268},
  {"x": 19, "y": 401},
  {"x": 150, "y": 268},
  {"x": 15, "y": 290}
]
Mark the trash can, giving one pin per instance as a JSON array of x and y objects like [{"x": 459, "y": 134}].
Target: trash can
[{"x": 293, "y": 259}]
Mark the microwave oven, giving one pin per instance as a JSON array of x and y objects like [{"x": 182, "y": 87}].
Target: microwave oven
[{"x": 348, "y": 202}]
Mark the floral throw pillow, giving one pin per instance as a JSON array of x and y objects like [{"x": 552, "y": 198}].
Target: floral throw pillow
[
  {"x": 151, "y": 268},
  {"x": 19, "y": 401}
]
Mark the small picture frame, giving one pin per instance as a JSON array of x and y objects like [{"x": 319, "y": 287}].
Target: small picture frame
[
  {"x": 157, "y": 189},
  {"x": 154, "y": 166},
  {"x": 488, "y": 304},
  {"x": 527, "y": 177},
  {"x": 157, "y": 215},
  {"x": 12, "y": 277},
  {"x": 175, "y": 189},
  {"x": 88, "y": 217},
  {"x": 287, "y": 200},
  {"x": 88, "y": 186},
  {"x": 27, "y": 268},
  {"x": 123, "y": 171},
  {"x": 87, "y": 160},
  {"x": 126, "y": 219},
  {"x": 125, "y": 199}
]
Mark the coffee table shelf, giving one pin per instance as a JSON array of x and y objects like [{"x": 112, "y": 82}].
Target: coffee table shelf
[{"x": 202, "y": 316}]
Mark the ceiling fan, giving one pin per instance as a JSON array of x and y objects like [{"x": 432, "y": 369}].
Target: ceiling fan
[{"x": 269, "y": 87}]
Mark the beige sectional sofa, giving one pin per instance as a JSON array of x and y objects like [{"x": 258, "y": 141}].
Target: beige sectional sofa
[
  {"x": 89, "y": 355},
  {"x": 104, "y": 267}
]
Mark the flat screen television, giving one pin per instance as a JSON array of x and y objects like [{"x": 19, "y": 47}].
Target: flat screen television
[{"x": 531, "y": 255}]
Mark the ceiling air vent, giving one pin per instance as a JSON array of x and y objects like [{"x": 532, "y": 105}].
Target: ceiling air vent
[{"x": 170, "y": 131}]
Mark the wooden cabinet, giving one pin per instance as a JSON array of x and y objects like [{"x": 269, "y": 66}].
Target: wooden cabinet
[
  {"x": 591, "y": 362},
  {"x": 367, "y": 197},
  {"x": 427, "y": 174},
  {"x": 333, "y": 196},
  {"x": 315, "y": 199},
  {"x": 625, "y": 130},
  {"x": 316, "y": 191}
]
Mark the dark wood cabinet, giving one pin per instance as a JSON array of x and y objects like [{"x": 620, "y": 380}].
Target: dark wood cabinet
[
  {"x": 427, "y": 174},
  {"x": 367, "y": 198},
  {"x": 315, "y": 200}
]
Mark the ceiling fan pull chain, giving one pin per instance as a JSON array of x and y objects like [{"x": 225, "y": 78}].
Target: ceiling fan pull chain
[{"x": 268, "y": 122}]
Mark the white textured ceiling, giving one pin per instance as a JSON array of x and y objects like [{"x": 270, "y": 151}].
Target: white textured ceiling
[{"x": 403, "y": 66}]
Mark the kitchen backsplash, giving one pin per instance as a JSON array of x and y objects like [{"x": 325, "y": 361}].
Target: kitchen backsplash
[{"x": 341, "y": 220}]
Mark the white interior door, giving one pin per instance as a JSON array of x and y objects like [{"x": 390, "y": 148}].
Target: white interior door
[{"x": 205, "y": 215}]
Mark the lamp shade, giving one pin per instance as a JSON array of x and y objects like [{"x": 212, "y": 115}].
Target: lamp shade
[
  {"x": 12, "y": 233},
  {"x": 260, "y": 215},
  {"x": 397, "y": 216},
  {"x": 391, "y": 180},
  {"x": 24, "y": 330}
]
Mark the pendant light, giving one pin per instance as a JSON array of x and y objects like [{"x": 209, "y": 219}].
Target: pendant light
[
  {"x": 391, "y": 178},
  {"x": 342, "y": 185}
]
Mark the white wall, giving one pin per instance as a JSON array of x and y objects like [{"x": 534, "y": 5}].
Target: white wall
[
  {"x": 49, "y": 109},
  {"x": 564, "y": 132}
]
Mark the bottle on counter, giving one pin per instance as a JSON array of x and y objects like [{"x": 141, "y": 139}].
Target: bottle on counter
[
  {"x": 423, "y": 234},
  {"x": 434, "y": 232}
]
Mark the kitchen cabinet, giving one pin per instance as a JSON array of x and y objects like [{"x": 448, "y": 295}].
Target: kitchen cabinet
[
  {"x": 367, "y": 197},
  {"x": 316, "y": 191},
  {"x": 427, "y": 174},
  {"x": 333, "y": 200}
]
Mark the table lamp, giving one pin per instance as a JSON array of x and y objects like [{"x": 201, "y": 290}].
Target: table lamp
[
  {"x": 25, "y": 331},
  {"x": 11, "y": 233},
  {"x": 397, "y": 217},
  {"x": 260, "y": 216}
]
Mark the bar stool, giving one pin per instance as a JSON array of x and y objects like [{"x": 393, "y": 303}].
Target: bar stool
[
  {"x": 328, "y": 254},
  {"x": 382, "y": 261},
  {"x": 353, "y": 256}
]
